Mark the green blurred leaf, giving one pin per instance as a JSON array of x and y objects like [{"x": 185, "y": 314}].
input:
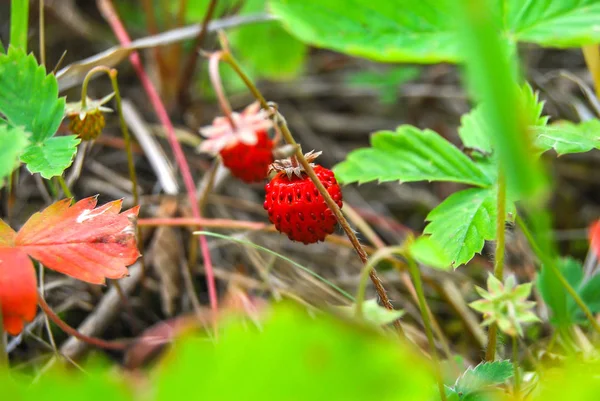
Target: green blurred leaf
[
  {"x": 12, "y": 142},
  {"x": 385, "y": 82},
  {"x": 423, "y": 32},
  {"x": 407, "y": 155},
  {"x": 382, "y": 30},
  {"x": 295, "y": 357},
  {"x": 490, "y": 72},
  {"x": 573, "y": 381},
  {"x": 567, "y": 137},
  {"x": 564, "y": 23},
  {"x": 52, "y": 156},
  {"x": 589, "y": 291},
  {"x": 558, "y": 301},
  {"x": 97, "y": 384},
  {"x": 29, "y": 99},
  {"x": 428, "y": 252},
  {"x": 266, "y": 48},
  {"x": 463, "y": 222}
]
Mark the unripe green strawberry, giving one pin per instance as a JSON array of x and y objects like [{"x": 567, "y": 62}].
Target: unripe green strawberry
[
  {"x": 87, "y": 121},
  {"x": 295, "y": 205},
  {"x": 88, "y": 128}
]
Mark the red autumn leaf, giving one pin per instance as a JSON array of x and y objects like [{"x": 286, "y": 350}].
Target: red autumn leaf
[
  {"x": 594, "y": 237},
  {"x": 80, "y": 241},
  {"x": 18, "y": 294},
  {"x": 87, "y": 243}
]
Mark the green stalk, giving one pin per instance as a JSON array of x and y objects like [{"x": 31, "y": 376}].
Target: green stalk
[
  {"x": 490, "y": 353},
  {"x": 42, "y": 35},
  {"x": 561, "y": 278},
  {"x": 416, "y": 276},
  {"x": 65, "y": 187},
  {"x": 517, "y": 374},
  {"x": 19, "y": 23}
]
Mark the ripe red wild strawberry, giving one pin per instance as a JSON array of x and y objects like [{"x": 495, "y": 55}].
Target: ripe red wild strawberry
[
  {"x": 249, "y": 163},
  {"x": 295, "y": 205},
  {"x": 245, "y": 147}
]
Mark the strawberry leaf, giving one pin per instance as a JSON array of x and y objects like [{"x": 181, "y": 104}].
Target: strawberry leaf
[
  {"x": 382, "y": 30},
  {"x": 260, "y": 46},
  {"x": 51, "y": 157},
  {"x": 565, "y": 23},
  {"x": 474, "y": 131},
  {"x": 424, "y": 31},
  {"x": 82, "y": 241},
  {"x": 12, "y": 143},
  {"x": 463, "y": 222},
  {"x": 567, "y": 137},
  {"x": 29, "y": 99},
  {"x": 18, "y": 288},
  {"x": 408, "y": 155}
]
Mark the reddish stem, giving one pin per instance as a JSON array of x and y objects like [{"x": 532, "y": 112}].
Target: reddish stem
[
  {"x": 109, "y": 13},
  {"x": 215, "y": 79},
  {"x": 184, "y": 221},
  {"x": 116, "y": 345}
]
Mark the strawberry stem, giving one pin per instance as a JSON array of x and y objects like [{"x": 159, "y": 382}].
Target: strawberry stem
[
  {"x": 490, "y": 353},
  {"x": 115, "y": 345},
  {"x": 215, "y": 79},
  {"x": 287, "y": 135}
]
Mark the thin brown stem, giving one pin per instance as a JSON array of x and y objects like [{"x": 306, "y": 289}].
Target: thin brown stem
[
  {"x": 115, "y": 345},
  {"x": 287, "y": 135},
  {"x": 190, "y": 66}
]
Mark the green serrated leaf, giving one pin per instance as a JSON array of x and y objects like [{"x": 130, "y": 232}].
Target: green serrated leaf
[
  {"x": 491, "y": 72},
  {"x": 560, "y": 304},
  {"x": 430, "y": 253},
  {"x": 475, "y": 132},
  {"x": 295, "y": 356},
  {"x": 567, "y": 137},
  {"x": 382, "y": 30},
  {"x": 408, "y": 155},
  {"x": 551, "y": 23},
  {"x": 29, "y": 97},
  {"x": 483, "y": 376},
  {"x": 51, "y": 157},
  {"x": 463, "y": 222},
  {"x": 13, "y": 140}
]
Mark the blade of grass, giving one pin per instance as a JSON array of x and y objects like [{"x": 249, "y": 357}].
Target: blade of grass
[
  {"x": 19, "y": 23},
  {"x": 491, "y": 73},
  {"x": 290, "y": 261}
]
